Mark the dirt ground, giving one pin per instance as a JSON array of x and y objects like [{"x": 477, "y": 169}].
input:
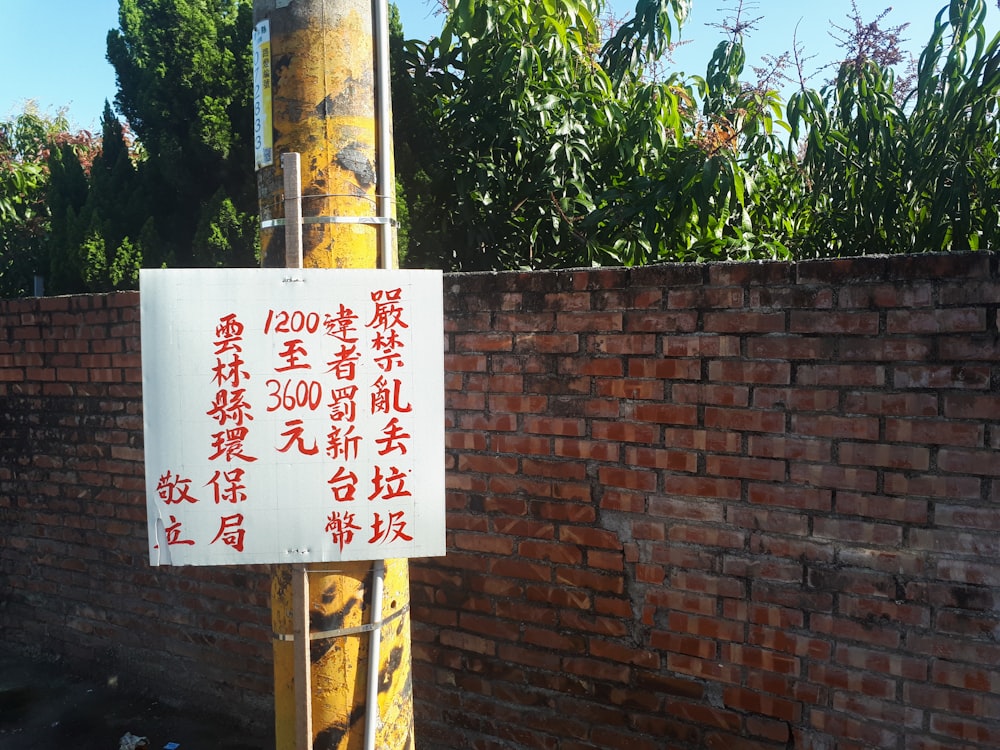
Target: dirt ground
[{"x": 44, "y": 707}]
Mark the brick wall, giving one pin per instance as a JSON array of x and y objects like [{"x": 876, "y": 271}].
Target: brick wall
[
  {"x": 74, "y": 575},
  {"x": 740, "y": 507}
]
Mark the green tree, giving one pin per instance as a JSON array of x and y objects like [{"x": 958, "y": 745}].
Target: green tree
[
  {"x": 26, "y": 144},
  {"x": 531, "y": 139},
  {"x": 184, "y": 71},
  {"x": 94, "y": 210},
  {"x": 917, "y": 173}
]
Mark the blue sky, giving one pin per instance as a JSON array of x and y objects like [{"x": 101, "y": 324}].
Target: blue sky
[{"x": 55, "y": 51}]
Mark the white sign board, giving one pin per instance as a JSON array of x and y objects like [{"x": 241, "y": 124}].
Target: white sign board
[{"x": 292, "y": 416}]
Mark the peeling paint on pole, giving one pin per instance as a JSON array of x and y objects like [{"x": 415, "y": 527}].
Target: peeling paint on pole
[
  {"x": 323, "y": 103},
  {"x": 323, "y": 107}
]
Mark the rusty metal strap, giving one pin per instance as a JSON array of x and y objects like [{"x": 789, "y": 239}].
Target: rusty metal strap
[{"x": 346, "y": 631}]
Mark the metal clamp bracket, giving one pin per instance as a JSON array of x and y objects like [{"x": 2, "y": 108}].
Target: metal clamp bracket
[
  {"x": 271, "y": 223},
  {"x": 346, "y": 631}
]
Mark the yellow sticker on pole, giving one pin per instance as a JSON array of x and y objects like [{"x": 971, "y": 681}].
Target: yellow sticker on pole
[{"x": 263, "y": 131}]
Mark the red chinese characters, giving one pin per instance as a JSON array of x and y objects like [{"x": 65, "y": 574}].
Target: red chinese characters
[
  {"x": 389, "y": 403},
  {"x": 231, "y": 413},
  {"x": 342, "y": 439}
]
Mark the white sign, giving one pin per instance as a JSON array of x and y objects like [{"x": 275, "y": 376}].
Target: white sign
[
  {"x": 263, "y": 129},
  {"x": 292, "y": 415}
]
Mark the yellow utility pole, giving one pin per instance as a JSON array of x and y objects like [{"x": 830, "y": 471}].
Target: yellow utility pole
[{"x": 320, "y": 78}]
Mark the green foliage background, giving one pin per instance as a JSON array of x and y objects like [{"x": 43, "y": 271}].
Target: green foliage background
[{"x": 529, "y": 134}]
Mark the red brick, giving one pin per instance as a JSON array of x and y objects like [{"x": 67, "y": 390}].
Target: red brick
[
  {"x": 491, "y": 423},
  {"x": 608, "y": 367},
  {"x": 747, "y": 468},
  {"x": 788, "y": 496},
  {"x": 886, "y": 295},
  {"x": 484, "y": 342},
  {"x": 488, "y": 464},
  {"x": 546, "y": 343},
  {"x": 636, "y": 343},
  {"x": 720, "y": 395},
  {"x": 714, "y": 441},
  {"x": 651, "y": 458},
  {"x": 648, "y": 530},
  {"x": 665, "y": 369},
  {"x": 691, "y": 510},
  {"x": 959, "y": 461},
  {"x": 627, "y": 478},
  {"x": 703, "y": 583},
  {"x": 758, "y": 703},
  {"x": 573, "y": 512},
  {"x": 554, "y": 426},
  {"x": 892, "y": 404},
  {"x": 748, "y": 420},
  {"x": 552, "y": 640},
  {"x": 661, "y": 322},
  {"x": 587, "y": 449},
  {"x": 555, "y": 552},
  {"x": 519, "y": 569},
  {"x": 666, "y": 414},
  {"x": 840, "y": 375},
  {"x": 631, "y": 389},
  {"x": 583, "y": 322},
  {"x": 556, "y": 469},
  {"x": 678, "y": 643},
  {"x": 790, "y": 348},
  {"x": 706, "y": 345},
  {"x": 515, "y": 404},
  {"x": 934, "y": 432},
  {"x": 955, "y": 320},
  {"x": 762, "y": 659},
  {"x": 866, "y": 732},
  {"x": 625, "y": 432},
  {"x": 966, "y": 517},
  {"x": 783, "y": 641},
  {"x": 968, "y": 377},
  {"x": 803, "y": 449},
  {"x": 826, "y": 322},
  {"x": 909, "y": 458},
  {"x": 706, "y": 536},
  {"x": 921, "y": 485},
  {"x": 589, "y": 537},
  {"x": 620, "y": 654},
  {"x": 985, "y": 732},
  {"x": 702, "y": 487},
  {"x": 577, "y": 620},
  {"x": 733, "y": 371},
  {"x": 744, "y": 322},
  {"x": 621, "y": 500},
  {"x": 897, "y": 665},
  {"x": 844, "y": 629},
  {"x": 883, "y": 508},
  {"x": 882, "y": 610},
  {"x": 885, "y": 350},
  {"x": 615, "y": 562},
  {"x": 796, "y": 399}
]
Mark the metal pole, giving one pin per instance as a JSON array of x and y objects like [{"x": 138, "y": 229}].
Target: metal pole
[
  {"x": 386, "y": 183},
  {"x": 303, "y": 660},
  {"x": 372, "y": 716}
]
